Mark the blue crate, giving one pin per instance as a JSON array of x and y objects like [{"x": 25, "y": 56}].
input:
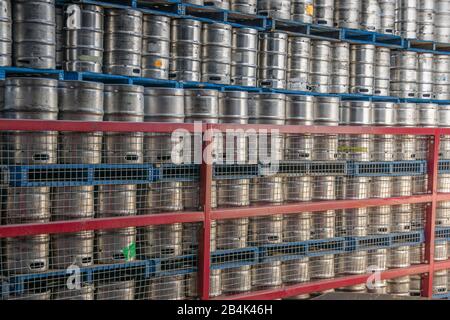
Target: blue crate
[
  {"x": 387, "y": 168},
  {"x": 444, "y": 166},
  {"x": 407, "y": 239},
  {"x": 6, "y": 72},
  {"x": 310, "y": 168},
  {"x": 234, "y": 258},
  {"x": 62, "y": 175},
  {"x": 442, "y": 233},
  {"x": 373, "y": 242},
  {"x": 235, "y": 171},
  {"x": 175, "y": 265},
  {"x": 174, "y": 172},
  {"x": 283, "y": 251}
]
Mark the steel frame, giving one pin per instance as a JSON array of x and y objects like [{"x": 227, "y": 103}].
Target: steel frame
[{"x": 208, "y": 214}]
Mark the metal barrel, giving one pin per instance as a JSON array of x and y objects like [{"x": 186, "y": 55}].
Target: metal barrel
[
  {"x": 322, "y": 267},
  {"x": 440, "y": 282},
  {"x": 340, "y": 68},
  {"x": 295, "y": 271},
  {"x": 84, "y": 43},
  {"x": 216, "y": 53},
  {"x": 86, "y": 292},
  {"x": 381, "y": 187},
  {"x": 427, "y": 116},
  {"x": 59, "y": 36},
  {"x": 320, "y": 68},
  {"x": 324, "y": 12},
  {"x": 425, "y": 20},
  {"x": 155, "y": 46},
  {"x": 186, "y": 42},
  {"x": 164, "y": 105},
  {"x": 441, "y": 19},
  {"x": 123, "y": 42},
  {"x": 380, "y": 220},
  {"x": 299, "y": 55},
  {"x": 355, "y": 222},
  {"x": 34, "y": 35},
  {"x": 362, "y": 68},
  {"x": 272, "y": 61},
  {"x": 404, "y": 74},
  {"x": 220, "y": 4},
  {"x": 119, "y": 290},
  {"x": 406, "y": 18},
  {"x": 236, "y": 280},
  {"x": 191, "y": 232},
  {"x": 387, "y": 16},
  {"x": 266, "y": 275},
  {"x": 73, "y": 203},
  {"x": 31, "y": 98},
  {"x": 165, "y": 196},
  {"x": 399, "y": 286},
  {"x": 277, "y": 9},
  {"x": 27, "y": 254},
  {"x": 298, "y": 189},
  {"x": 233, "y": 108},
  {"x": 406, "y": 116},
  {"x": 114, "y": 246},
  {"x": 370, "y": 16},
  {"x": 162, "y": 241},
  {"x": 5, "y": 33},
  {"x": 323, "y": 225},
  {"x": 82, "y": 101},
  {"x": 116, "y": 201},
  {"x": 443, "y": 214},
  {"x": 324, "y": 188},
  {"x": 233, "y": 193},
  {"x": 232, "y": 234},
  {"x": 441, "y": 77},
  {"x": 299, "y": 111},
  {"x": 326, "y": 112},
  {"x": 244, "y": 6},
  {"x": 215, "y": 284},
  {"x": 33, "y": 295},
  {"x": 297, "y": 227},
  {"x": 425, "y": 76},
  {"x": 72, "y": 249},
  {"x": 302, "y": 10},
  {"x": 167, "y": 288},
  {"x": 382, "y": 71},
  {"x": 123, "y": 103},
  {"x": 27, "y": 205},
  {"x": 347, "y": 14},
  {"x": 444, "y": 183},
  {"x": 399, "y": 257},
  {"x": 244, "y": 56}
]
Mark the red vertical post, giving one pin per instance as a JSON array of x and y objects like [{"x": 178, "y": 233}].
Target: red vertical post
[
  {"x": 430, "y": 219},
  {"x": 205, "y": 198}
]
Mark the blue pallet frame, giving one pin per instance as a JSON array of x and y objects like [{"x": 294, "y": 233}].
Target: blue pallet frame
[
  {"x": 234, "y": 258},
  {"x": 387, "y": 168},
  {"x": 6, "y": 72},
  {"x": 173, "y": 172}
]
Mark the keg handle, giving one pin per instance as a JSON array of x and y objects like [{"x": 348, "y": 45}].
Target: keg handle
[
  {"x": 41, "y": 157},
  {"x": 132, "y": 157},
  {"x": 37, "y": 265}
]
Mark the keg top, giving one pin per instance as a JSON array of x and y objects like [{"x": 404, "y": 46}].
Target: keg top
[
  {"x": 22, "y": 82},
  {"x": 124, "y": 88},
  {"x": 187, "y": 22},
  {"x": 153, "y": 17},
  {"x": 218, "y": 26},
  {"x": 75, "y": 84},
  {"x": 156, "y": 91},
  {"x": 201, "y": 92},
  {"x": 356, "y": 113},
  {"x": 384, "y": 113},
  {"x": 406, "y": 114},
  {"x": 118, "y": 12},
  {"x": 300, "y": 108},
  {"x": 278, "y": 35},
  {"x": 245, "y": 30}
]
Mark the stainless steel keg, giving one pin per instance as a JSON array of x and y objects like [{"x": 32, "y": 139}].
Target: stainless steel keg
[
  {"x": 82, "y": 101},
  {"x": 216, "y": 53},
  {"x": 277, "y": 9},
  {"x": 5, "y": 33},
  {"x": 427, "y": 116},
  {"x": 380, "y": 220},
  {"x": 119, "y": 290},
  {"x": 406, "y": 18},
  {"x": 425, "y": 20},
  {"x": 320, "y": 68},
  {"x": 297, "y": 227},
  {"x": 233, "y": 193},
  {"x": 266, "y": 275},
  {"x": 387, "y": 16},
  {"x": 441, "y": 77},
  {"x": 34, "y": 36},
  {"x": 123, "y": 42},
  {"x": 404, "y": 74},
  {"x": 236, "y": 280},
  {"x": 384, "y": 114},
  {"x": 244, "y": 56},
  {"x": 371, "y": 15},
  {"x": 244, "y": 6},
  {"x": 295, "y": 271},
  {"x": 232, "y": 234},
  {"x": 167, "y": 288},
  {"x": 155, "y": 46},
  {"x": 362, "y": 68},
  {"x": 186, "y": 42},
  {"x": 27, "y": 205},
  {"x": 59, "y": 37},
  {"x": 322, "y": 267},
  {"x": 83, "y": 46},
  {"x": 215, "y": 284},
  {"x": 323, "y": 224},
  {"x": 272, "y": 61},
  {"x": 441, "y": 21},
  {"x": 326, "y": 113},
  {"x": 406, "y": 116},
  {"x": 298, "y": 189},
  {"x": 220, "y": 4},
  {"x": 399, "y": 286},
  {"x": 162, "y": 241},
  {"x": 382, "y": 71},
  {"x": 123, "y": 103},
  {"x": 27, "y": 254},
  {"x": 340, "y": 68},
  {"x": 164, "y": 105},
  {"x": 324, "y": 12},
  {"x": 86, "y": 292},
  {"x": 72, "y": 249},
  {"x": 299, "y": 55},
  {"x": 347, "y": 14},
  {"x": 302, "y": 10},
  {"x": 440, "y": 282},
  {"x": 116, "y": 200},
  {"x": 443, "y": 214},
  {"x": 266, "y": 230},
  {"x": 73, "y": 203},
  {"x": 115, "y": 246},
  {"x": 425, "y": 76},
  {"x": 30, "y": 98}
]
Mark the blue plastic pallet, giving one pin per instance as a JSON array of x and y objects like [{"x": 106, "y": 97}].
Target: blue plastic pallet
[
  {"x": 6, "y": 72},
  {"x": 62, "y": 175},
  {"x": 235, "y": 171},
  {"x": 387, "y": 168},
  {"x": 311, "y": 168},
  {"x": 234, "y": 258},
  {"x": 444, "y": 166},
  {"x": 375, "y": 242},
  {"x": 173, "y": 172},
  {"x": 178, "y": 265},
  {"x": 442, "y": 233},
  {"x": 443, "y": 296}
]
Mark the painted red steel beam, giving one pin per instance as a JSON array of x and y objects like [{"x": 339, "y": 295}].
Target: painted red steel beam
[
  {"x": 206, "y": 176},
  {"x": 430, "y": 218},
  {"x": 322, "y": 285},
  {"x": 19, "y": 230},
  {"x": 234, "y": 213},
  {"x": 441, "y": 265}
]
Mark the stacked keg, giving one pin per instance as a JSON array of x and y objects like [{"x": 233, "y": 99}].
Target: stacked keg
[
  {"x": 121, "y": 103},
  {"x": 443, "y": 208},
  {"x": 244, "y": 57},
  {"x": 272, "y": 61},
  {"x": 404, "y": 72},
  {"x": 34, "y": 35},
  {"x": 441, "y": 84},
  {"x": 82, "y": 101},
  {"x": 406, "y": 18},
  {"x": 59, "y": 36},
  {"x": 120, "y": 290},
  {"x": 387, "y": 16},
  {"x": 425, "y": 19},
  {"x": 244, "y": 6},
  {"x": 382, "y": 71},
  {"x": 216, "y": 53},
  {"x": 123, "y": 42},
  {"x": 155, "y": 46},
  {"x": 297, "y": 227},
  {"x": 326, "y": 113},
  {"x": 267, "y": 108},
  {"x": 83, "y": 47},
  {"x": 186, "y": 39},
  {"x": 277, "y": 9},
  {"x": 220, "y": 4},
  {"x": 29, "y": 98},
  {"x": 347, "y": 14},
  {"x": 320, "y": 69},
  {"x": 370, "y": 15},
  {"x": 86, "y": 292},
  {"x": 425, "y": 76},
  {"x": 302, "y": 10},
  {"x": 362, "y": 68},
  {"x": 324, "y": 12},
  {"x": 441, "y": 21},
  {"x": 299, "y": 53},
  {"x": 340, "y": 68},
  {"x": 5, "y": 33}
]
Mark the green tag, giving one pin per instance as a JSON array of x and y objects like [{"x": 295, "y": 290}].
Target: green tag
[{"x": 129, "y": 252}]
